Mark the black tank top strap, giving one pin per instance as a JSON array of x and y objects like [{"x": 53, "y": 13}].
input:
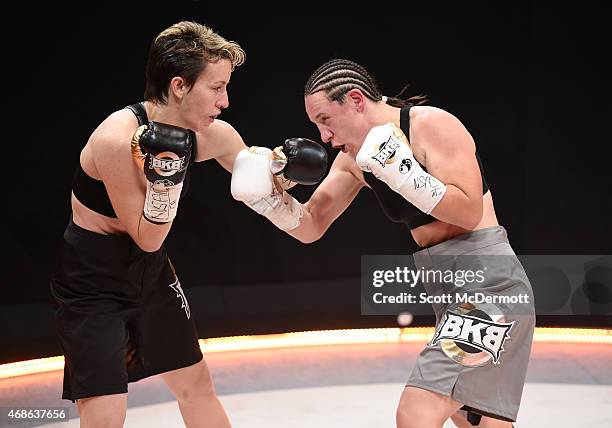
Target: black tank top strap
[
  {"x": 405, "y": 120},
  {"x": 139, "y": 111}
]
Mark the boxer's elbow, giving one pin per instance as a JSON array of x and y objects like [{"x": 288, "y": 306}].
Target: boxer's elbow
[
  {"x": 150, "y": 237},
  {"x": 472, "y": 214},
  {"x": 471, "y": 223},
  {"x": 460, "y": 209},
  {"x": 306, "y": 234},
  {"x": 149, "y": 247},
  {"x": 309, "y": 239},
  {"x": 310, "y": 229}
]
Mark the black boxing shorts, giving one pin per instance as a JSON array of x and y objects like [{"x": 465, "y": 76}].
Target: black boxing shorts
[{"x": 121, "y": 314}]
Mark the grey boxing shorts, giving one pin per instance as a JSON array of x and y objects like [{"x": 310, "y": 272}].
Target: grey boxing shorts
[{"x": 480, "y": 351}]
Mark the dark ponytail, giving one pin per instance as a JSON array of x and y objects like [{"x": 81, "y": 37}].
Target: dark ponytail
[{"x": 402, "y": 100}]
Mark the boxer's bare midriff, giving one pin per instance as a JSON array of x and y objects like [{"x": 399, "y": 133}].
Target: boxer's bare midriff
[
  {"x": 436, "y": 232},
  {"x": 91, "y": 220},
  {"x": 87, "y": 218}
]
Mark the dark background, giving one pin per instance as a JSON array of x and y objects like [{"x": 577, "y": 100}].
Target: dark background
[{"x": 529, "y": 82}]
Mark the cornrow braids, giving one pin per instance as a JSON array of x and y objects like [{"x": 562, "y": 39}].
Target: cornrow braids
[{"x": 338, "y": 76}]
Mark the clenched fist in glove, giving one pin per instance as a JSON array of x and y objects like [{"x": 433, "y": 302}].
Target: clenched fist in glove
[
  {"x": 164, "y": 152},
  {"x": 298, "y": 161},
  {"x": 386, "y": 154}
]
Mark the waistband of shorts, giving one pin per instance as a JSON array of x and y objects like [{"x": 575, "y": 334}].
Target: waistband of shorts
[
  {"x": 120, "y": 245},
  {"x": 461, "y": 244}
]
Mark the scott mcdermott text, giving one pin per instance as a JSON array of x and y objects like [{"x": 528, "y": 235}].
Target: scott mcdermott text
[{"x": 448, "y": 298}]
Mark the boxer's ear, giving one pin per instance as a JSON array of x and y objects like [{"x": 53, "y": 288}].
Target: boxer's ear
[
  {"x": 356, "y": 99},
  {"x": 178, "y": 87}
]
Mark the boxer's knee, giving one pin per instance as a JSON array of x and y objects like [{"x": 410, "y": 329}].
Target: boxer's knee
[
  {"x": 104, "y": 411},
  {"x": 191, "y": 384},
  {"x": 422, "y": 408}
]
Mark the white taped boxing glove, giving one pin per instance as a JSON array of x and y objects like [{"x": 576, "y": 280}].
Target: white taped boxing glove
[
  {"x": 386, "y": 154},
  {"x": 251, "y": 176},
  {"x": 253, "y": 184}
]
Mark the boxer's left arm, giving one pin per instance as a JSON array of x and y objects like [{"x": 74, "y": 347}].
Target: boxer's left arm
[
  {"x": 256, "y": 173},
  {"x": 450, "y": 156},
  {"x": 451, "y": 188},
  {"x": 219, "y": 141}
]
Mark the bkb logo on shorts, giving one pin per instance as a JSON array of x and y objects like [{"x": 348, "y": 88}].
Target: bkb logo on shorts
[
  {"x": 167, "y": 163},
  {"x": 475, "y": 333}
]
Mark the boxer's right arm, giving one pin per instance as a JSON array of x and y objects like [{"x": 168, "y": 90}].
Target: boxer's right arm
[
  {"x": 252, "y": 184},
  {"x": 331, "y": 198},
  {"x": 125, "y": 182},
  {"x": 163, "y": 152}
]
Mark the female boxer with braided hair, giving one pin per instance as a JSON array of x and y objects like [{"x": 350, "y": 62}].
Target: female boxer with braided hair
[{"x": 422, "y": 165}]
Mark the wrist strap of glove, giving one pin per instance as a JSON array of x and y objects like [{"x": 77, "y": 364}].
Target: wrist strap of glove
[
  {"x": 386, "y": 153},
  {"x": 422, "y": 189},
  {"x": 283, "y": 210},
  {"x": 161, "y": 202}
]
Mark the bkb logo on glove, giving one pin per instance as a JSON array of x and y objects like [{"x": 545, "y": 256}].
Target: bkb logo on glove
[
  {"x": 384, "y": 145},
  {"x": 167, "y": 163},
  {"x": 386, "y": 152},
  {"x": 391, "y": 139}
]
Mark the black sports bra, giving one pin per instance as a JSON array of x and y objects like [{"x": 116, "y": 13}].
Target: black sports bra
[
  {"x": 395, "y": 207},
  {"x": 92, "y": 193}
]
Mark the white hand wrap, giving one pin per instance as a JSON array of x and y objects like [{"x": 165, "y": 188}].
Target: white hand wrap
[
  {"x": 253, "y": 184},
  {"x": 280, "y": 208},
  {"x": 161, "y": 201},
  {"x": 386, "y": 154}
]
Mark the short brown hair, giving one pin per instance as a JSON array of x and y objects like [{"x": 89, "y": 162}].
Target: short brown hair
[{"x": 184, "y": 49}]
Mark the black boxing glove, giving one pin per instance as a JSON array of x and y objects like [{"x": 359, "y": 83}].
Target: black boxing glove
[
  {"x": 165, "y": 152},
  {"x": 300, "y": 160}
]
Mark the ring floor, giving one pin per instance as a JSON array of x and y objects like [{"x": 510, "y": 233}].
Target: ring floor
[{"x": 568, "y": 385}]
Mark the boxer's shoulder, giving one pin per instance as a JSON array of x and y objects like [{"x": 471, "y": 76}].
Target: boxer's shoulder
[
  {"x": 113, "y": 134},
  {"x": 435, "y": 129},
  {"x": 218, "y": 140}
]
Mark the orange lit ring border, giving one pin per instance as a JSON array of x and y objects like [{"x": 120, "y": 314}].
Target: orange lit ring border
[{"x": 323, "y": 338}]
